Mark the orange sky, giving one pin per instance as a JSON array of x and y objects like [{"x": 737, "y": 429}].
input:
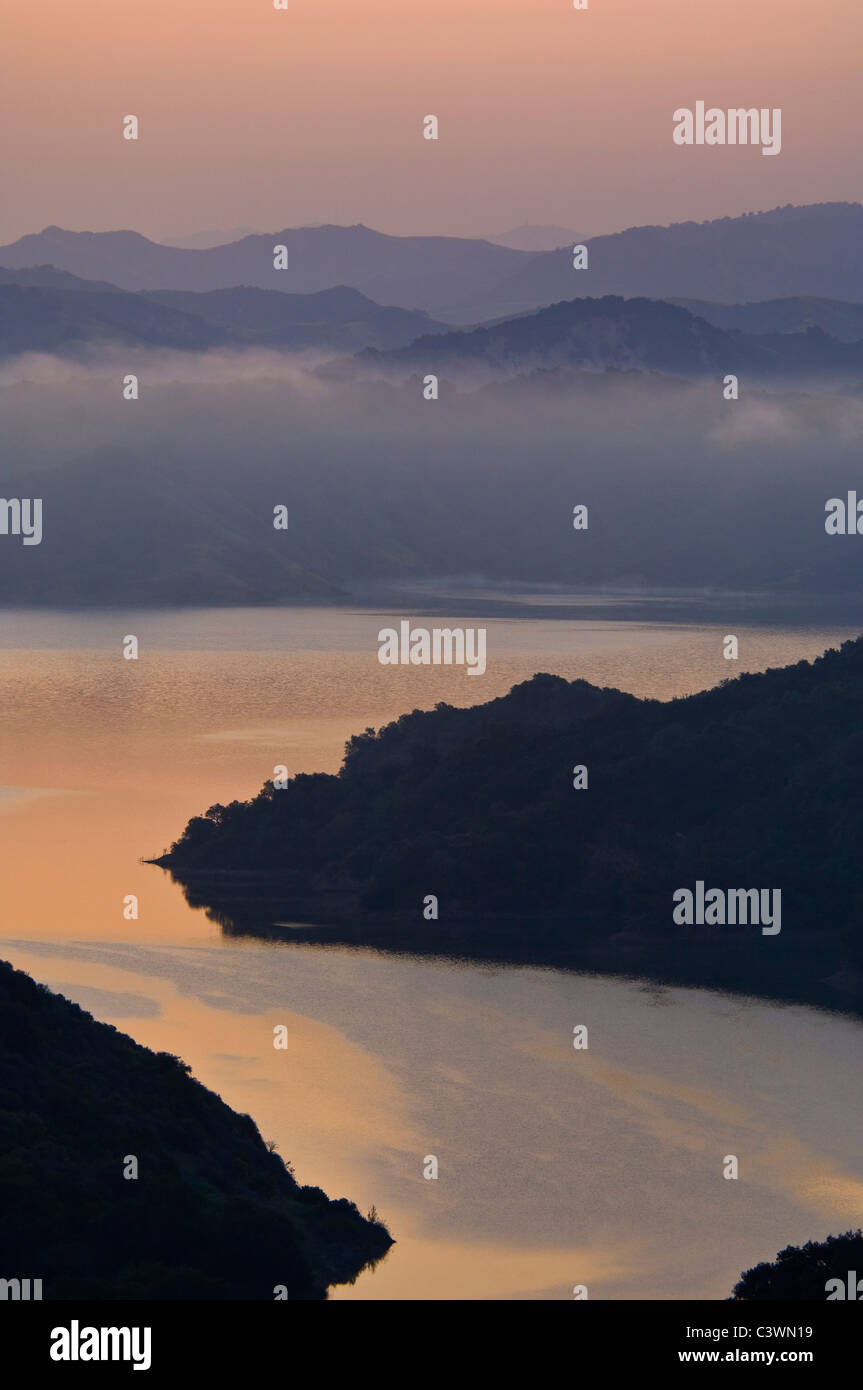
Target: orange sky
[{"x": 251, "y": 116}]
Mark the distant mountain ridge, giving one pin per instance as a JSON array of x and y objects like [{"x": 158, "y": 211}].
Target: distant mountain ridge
[
  {"x": 202, "y": 241},
  {"x": 796, "y": 314},
  {"x": 48, "y": 277},
  {"x": 43, "y": 309},
  {"x": 409, "y": 272},
  {"x": 533, "y": 238},
  {"x": 33, "y": 319},
  {"x": 814, "y": 250},
  {"x": 627, "y": 334},
  {"x": 48, "y": 310},
  {"x": 336, "y": 318}
]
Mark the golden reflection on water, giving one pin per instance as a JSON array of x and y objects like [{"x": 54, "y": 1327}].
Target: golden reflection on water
[{"x": 556, "y": 1168}]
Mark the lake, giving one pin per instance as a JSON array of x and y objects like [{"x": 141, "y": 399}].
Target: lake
[{"x": 556, "y": 1167}]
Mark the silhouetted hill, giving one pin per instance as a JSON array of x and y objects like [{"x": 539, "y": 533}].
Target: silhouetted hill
[
  {"x": 797, "y": 315},
  {"x": 33, "y": 319},
  {"x": 640, "y": 334},
  {"x": 752, "y": 784},
  {"x": 815, "y": 250},
  {"x": 791, "y": 251},
  {"x": 212, "y": 1214},
  {"x": 48, "y": 277},
  {"x": 411, "y": 272},
  {"x": 340, "y": 318},
  {"x": 804, "y": 1272},
  {"x": 47, "y": 310}
]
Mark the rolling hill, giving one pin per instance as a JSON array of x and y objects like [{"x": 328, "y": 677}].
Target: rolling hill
[
  {"x": 410, "y": 272},
  {"x": 795, "y": 315},
  {"x": 34, "y": 319},
  {"x": 46, "y": 310},
  {"x": 815, "y": 250},
  {"x": 624, "y": 334},
  {"x": 212, "y": 1212},
  {"x": 340, "y": 318},
  {"x": 754, "y": 782}
]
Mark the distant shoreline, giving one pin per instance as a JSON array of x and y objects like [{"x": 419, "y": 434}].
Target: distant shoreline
[
  {"x": 246, "y": 903},
  {"x": 782, "y": 608},
  {"x": 462, "y": 831}
]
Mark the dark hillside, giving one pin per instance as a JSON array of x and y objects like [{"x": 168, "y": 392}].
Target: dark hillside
[
  {"x": 213, "y": 1213},
  {"x": 756, "y": 783}
]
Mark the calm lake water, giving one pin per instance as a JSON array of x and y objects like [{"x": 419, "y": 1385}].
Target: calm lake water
[{"x": 556, "y": 1167}]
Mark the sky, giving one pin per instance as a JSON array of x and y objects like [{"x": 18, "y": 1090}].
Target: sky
[{"x": 261, "y": 118}]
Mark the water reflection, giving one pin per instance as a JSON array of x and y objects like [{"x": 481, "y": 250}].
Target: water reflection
[{"x": 556, "y": 1167}]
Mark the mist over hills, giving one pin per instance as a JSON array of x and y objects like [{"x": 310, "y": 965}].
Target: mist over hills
[
  {"x": 170, "y": 499},
  {"x": 46, "y": 310},
  {"x": 814, "y": 250},
  {"x": 609, "y": 402},
  {"x": 43, "y": 309},
  {"x": 33, "y": 319},
  {"x": 612, "y": 332}
]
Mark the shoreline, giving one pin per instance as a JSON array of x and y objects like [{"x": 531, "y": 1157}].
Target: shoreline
[
  {"x": 247, "y": 903},
  {"x": 776, "y": 607}
]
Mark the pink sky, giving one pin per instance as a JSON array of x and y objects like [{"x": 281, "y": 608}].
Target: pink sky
[{"x": 252, "y": 116}]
